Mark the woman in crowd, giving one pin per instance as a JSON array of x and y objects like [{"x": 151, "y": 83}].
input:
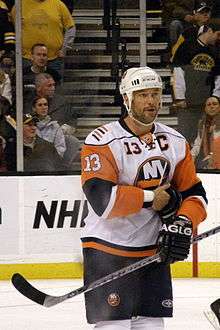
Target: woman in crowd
[
  {"x": 206, "y": 147},
  {"x": 5, "y": 86},
  {"x": 47, "y": 128}
]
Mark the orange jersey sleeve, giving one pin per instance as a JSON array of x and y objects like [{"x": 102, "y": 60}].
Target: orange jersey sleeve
[
  {"x": 99, "y": 162},
  {"x": 185, "y": 179}
]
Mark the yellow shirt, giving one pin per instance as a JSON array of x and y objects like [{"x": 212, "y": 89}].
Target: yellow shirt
[{"x": 44, "y": 22}]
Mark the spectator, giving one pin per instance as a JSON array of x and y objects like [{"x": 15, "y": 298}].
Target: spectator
[
  {"x": 206, "y": 146},
  {"x": 39, "y": 154},
  {"x": 8, "y": 132},
  {"x": 59, "y": 108},
  {"x": 39, "y": 61},
  {"x": 201, "y": 14},
  {"x": 48, "y": 22},
  {"x": 7, "y": 35},
  {"x": 180, "y": 15},
  {"x": 196, "y": 76},
  {"x": 48, "y": 129},
  {"x": 7, "y": 64},
  {"x": 5, "y": 86}
]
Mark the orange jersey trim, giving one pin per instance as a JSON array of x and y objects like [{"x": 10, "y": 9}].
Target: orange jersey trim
[
  {"x": 193, "y": 208},
  {"x": 118, "y": 252},
  {"x": 185, "y": 173}
]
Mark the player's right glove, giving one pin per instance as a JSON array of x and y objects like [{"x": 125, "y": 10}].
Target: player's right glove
[{"x": 174, "y": 240}]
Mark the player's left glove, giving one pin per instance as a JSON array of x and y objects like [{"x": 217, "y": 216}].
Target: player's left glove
[{"x": 174, "y": 239}]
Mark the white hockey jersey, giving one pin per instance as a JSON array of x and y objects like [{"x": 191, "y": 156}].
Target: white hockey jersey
[{"x": 112, "y": 153}]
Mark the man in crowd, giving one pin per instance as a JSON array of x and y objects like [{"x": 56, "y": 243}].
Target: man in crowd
[
  {"x": 59, "y": 108},
  {"x": 39, "y": 154},
  {"x": 196, "y": 76},
  {"x": 7, "y": 34},
  {"x": 48, "y": 22},
  {"x": 178, "y": 16},
  {"x": 39, "y": 64}
]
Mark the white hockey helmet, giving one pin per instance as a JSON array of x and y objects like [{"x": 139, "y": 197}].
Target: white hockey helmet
[{"x": 135, "y": 79}]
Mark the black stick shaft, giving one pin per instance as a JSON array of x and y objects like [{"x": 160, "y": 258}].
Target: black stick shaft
[{"x": 24, "y": 287}]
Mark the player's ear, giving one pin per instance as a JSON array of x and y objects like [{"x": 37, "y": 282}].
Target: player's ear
[{"x": 125, "y": 97}]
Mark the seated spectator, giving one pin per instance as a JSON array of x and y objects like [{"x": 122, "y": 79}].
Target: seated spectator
[
  {"x": 196, "y": 76},
  {"x": 8, "y": 132},
  {"x": 48, "y": 22},
  {"x": 7, "y": 64},
  {"x": 59, "y": 109},
  {"x": 39, "y": 61},
  {"x": 5, "y": 86},
  {"x": 72, "y": 154},
  {"x": 39, "y": 154},
  {"x": 206, "y": 147},
  {"x": 7, "y": 34},
  {"x": 48, "y": 129}
]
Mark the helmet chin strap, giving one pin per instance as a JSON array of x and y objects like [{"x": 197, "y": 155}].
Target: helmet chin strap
[{"x": 140, "y": 122}]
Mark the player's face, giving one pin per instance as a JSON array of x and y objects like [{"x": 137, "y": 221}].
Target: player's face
[
  {"x": 146, "y": 104},
  {"x": 212, "y": 106}
]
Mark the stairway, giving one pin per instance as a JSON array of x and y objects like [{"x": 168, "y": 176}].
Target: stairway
[{"x": 88, "y": 83}]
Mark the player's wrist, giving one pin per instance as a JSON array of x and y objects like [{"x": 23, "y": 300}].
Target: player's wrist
[{"x": 148, "y": 196}]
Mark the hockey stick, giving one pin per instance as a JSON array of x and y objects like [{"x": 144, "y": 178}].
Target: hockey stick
[{"x": 24, "y": 287}]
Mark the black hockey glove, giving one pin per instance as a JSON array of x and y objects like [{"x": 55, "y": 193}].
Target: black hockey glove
[
  {"x": 174, "y": 240},
  {"x": 173, "y": 205}
]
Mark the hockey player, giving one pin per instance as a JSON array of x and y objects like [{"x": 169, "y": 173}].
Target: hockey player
[{"x": 144, "y": 196}]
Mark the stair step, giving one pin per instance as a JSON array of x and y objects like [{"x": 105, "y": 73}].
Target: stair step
[
  {"x": 100, "y": 12},
  {"x": 88, "y": 85},
  {"x": 100, "y": 99},
  {"x": 103, "y": 34},
  {"x": 97, "y": 110},
  {"x": 76, "y": 73},
  {"x": 129, "y": 46},
  {"x": 87, "y": 59},
  {"x": 124, "y": 21}
]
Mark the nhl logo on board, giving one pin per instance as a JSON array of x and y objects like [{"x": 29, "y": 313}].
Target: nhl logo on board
[{"x": 113, "y": 299}]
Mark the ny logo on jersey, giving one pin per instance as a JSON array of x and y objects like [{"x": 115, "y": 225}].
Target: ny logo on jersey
[{"x": 153, "y": 172}]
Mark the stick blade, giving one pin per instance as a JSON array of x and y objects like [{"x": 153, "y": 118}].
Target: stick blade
[{"x": 25, "y": 288}]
